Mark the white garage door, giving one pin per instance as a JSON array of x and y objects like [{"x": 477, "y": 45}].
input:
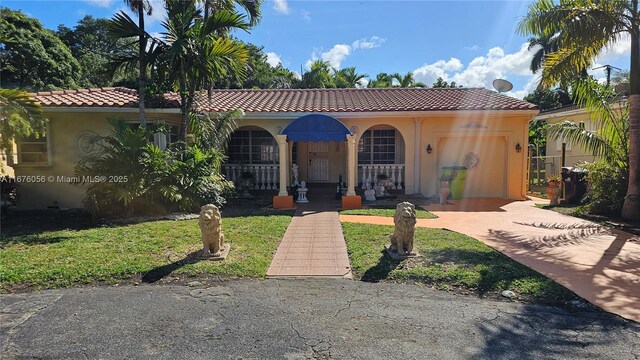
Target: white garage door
[{"x": 488, "y": 178}]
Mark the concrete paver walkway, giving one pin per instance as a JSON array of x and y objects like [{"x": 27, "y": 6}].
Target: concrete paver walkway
[
  {"x": 599, "y": 264},
  {"x": 313, "y": 245}
]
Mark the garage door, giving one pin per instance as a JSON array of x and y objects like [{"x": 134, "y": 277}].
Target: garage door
[{"x": 486, "y": 158}]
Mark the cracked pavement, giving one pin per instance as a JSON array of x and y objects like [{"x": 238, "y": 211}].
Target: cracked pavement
[{"x": 300, "y": 319}]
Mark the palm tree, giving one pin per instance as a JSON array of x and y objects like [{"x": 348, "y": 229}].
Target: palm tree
[
  {"x": 546, "y": 45},
  {"x": 584, "y": 29},
  {"x": 140, "y": 7},
  {"x": 283, "y": 78},
  {"x": 382, "y": 80},
  {"x": 407, "y": 80},
  {"x": 318, "y": 77},
  {"x": 611, "y": 139},
  {"x": 349, "y": 78},
  {"x": 251, "y": 7},
  {"x": 192, "y": 54}
]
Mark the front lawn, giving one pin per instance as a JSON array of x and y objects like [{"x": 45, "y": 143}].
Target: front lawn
[
  {"x": 387, "y": 212},
  {"x": 450, "y": 261},
  {"x": 144, "y": 252}
]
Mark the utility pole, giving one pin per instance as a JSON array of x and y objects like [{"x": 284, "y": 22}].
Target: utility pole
[{"x": 608, "y": 70}]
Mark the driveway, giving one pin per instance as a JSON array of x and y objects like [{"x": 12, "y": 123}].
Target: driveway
[
  {"x": 597, "y": 263},
  {"x": 301, "y": 319}
]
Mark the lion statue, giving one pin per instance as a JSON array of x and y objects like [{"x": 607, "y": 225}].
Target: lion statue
[
  {"x": 405, "y": 221},
  {"x": 210, "y": 225}
]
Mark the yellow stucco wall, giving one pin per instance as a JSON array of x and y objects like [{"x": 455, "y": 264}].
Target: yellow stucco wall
[
  {"x": 452, "y": 135},
  {"x": 574, "y": 154},
  {"x": 63, "y": 132}
]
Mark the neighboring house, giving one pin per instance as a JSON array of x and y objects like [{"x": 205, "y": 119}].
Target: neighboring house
[
  {"x": 573, "y": 154},
  {"x": 408, "y": 134}
]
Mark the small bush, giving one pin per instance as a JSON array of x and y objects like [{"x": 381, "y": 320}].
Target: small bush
[{"x": 607, "y": 188}]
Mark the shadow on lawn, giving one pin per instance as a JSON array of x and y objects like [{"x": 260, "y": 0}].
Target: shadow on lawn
[
  {"x": 33, "y": 222},
  {"x": 382, "y": 269},
  {"x": 160, "y": 272},
  {"x": 460, "y": 268}
]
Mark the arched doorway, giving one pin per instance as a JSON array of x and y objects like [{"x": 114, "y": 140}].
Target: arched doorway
[{"x": 381, "y": 150}]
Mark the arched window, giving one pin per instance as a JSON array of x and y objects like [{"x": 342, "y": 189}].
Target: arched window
[
  {"x": 377, "y": 147},
  {"x": 252, "y": 146}
]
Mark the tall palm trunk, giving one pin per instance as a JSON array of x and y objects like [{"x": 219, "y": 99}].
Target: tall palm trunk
[
  {"x": 142, "y": 42},
  {"x": 631, "y": 207}
]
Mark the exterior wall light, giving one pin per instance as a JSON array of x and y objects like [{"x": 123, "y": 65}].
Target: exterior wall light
[
  {"x": 429, "y": 149},
  {"x": 518, "y": 148}
]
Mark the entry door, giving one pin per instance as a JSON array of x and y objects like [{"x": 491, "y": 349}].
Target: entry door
[{"x": 318, "y": 161}]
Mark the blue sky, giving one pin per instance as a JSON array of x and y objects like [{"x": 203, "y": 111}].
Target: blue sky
[{"x": 471, "y": 42}]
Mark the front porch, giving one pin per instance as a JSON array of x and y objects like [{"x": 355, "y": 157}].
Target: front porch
[{"x": 318, "y": 150}]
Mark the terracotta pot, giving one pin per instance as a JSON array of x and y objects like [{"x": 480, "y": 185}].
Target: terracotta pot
[{"x": 554, "y": 193}]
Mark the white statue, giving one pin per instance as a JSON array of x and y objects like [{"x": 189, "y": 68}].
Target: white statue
[
  {"x": 294, "y": 172},
  {"x": 302, "y": 193}
]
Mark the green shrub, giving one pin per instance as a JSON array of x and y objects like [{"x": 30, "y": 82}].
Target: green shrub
[
  {"x": 139, "y": 178},
  {"x": 607, "y": 188}
]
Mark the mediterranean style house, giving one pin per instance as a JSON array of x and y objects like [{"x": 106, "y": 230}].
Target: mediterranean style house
[{"x": 356, "y": 134}]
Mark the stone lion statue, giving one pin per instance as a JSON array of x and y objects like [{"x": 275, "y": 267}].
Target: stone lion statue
[
  {"x": 405, "y": 221},
  {"x": 210, "y": 225}
]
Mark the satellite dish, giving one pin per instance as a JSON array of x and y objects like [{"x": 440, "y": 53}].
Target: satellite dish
[{"x": 502, "y": 85}]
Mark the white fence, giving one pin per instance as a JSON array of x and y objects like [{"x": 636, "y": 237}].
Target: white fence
[
  {"x": 267, "y": 176},
  {"x": 368, "y": 174}
]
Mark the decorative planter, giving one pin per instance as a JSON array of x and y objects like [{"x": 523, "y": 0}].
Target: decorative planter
[
  {"x": 553, "y": 192},
  {"x": 444, "y": 192}
]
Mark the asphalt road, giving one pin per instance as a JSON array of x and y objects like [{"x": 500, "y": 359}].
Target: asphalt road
[{"x": 298, "y": 319}]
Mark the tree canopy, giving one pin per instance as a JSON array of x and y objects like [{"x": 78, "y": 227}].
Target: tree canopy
[{"x": 32, "y": 57}]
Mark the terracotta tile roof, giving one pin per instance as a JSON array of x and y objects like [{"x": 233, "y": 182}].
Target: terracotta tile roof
[
  {"x": 303, "y": 100},
  {"x": 99, "y": 97}
]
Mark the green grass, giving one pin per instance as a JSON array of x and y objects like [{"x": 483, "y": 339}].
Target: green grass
[
  {"x": 566, "y": 209},
  {"x": 388, "y": 212},
  {"x": 449, "y": 261},
  {"x": 49, "y": 259}
]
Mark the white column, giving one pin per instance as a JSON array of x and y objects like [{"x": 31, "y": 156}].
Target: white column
[
  {"x": 282, "y": 153},
  {"x": 290, "y": 161},
  {"x": 351, "y": 165},
  {"x": 417, "y": 150}
]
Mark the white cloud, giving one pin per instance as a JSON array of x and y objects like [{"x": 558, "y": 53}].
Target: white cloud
[
  {"x": 429, "y": 73},
  {"x": 472, "y": 48},
  {"x": 273, "y": 59},
  {"x": 481, "y": 71},
  {"x": 621, "y": 48},
  {"x": 336, "y": 55},
  {"x": 281, "y": 6},
  {"x": 370, "y": 43},
  {"x": 100, "y": 3}
]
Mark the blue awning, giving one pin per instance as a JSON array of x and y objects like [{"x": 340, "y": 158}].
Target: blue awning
[{"x": 316, "y": 127}]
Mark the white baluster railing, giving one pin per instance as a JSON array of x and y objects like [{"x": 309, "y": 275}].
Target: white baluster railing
[
  {"x": 266, "y": 176},
  {"x": 369, "y": 173}
]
